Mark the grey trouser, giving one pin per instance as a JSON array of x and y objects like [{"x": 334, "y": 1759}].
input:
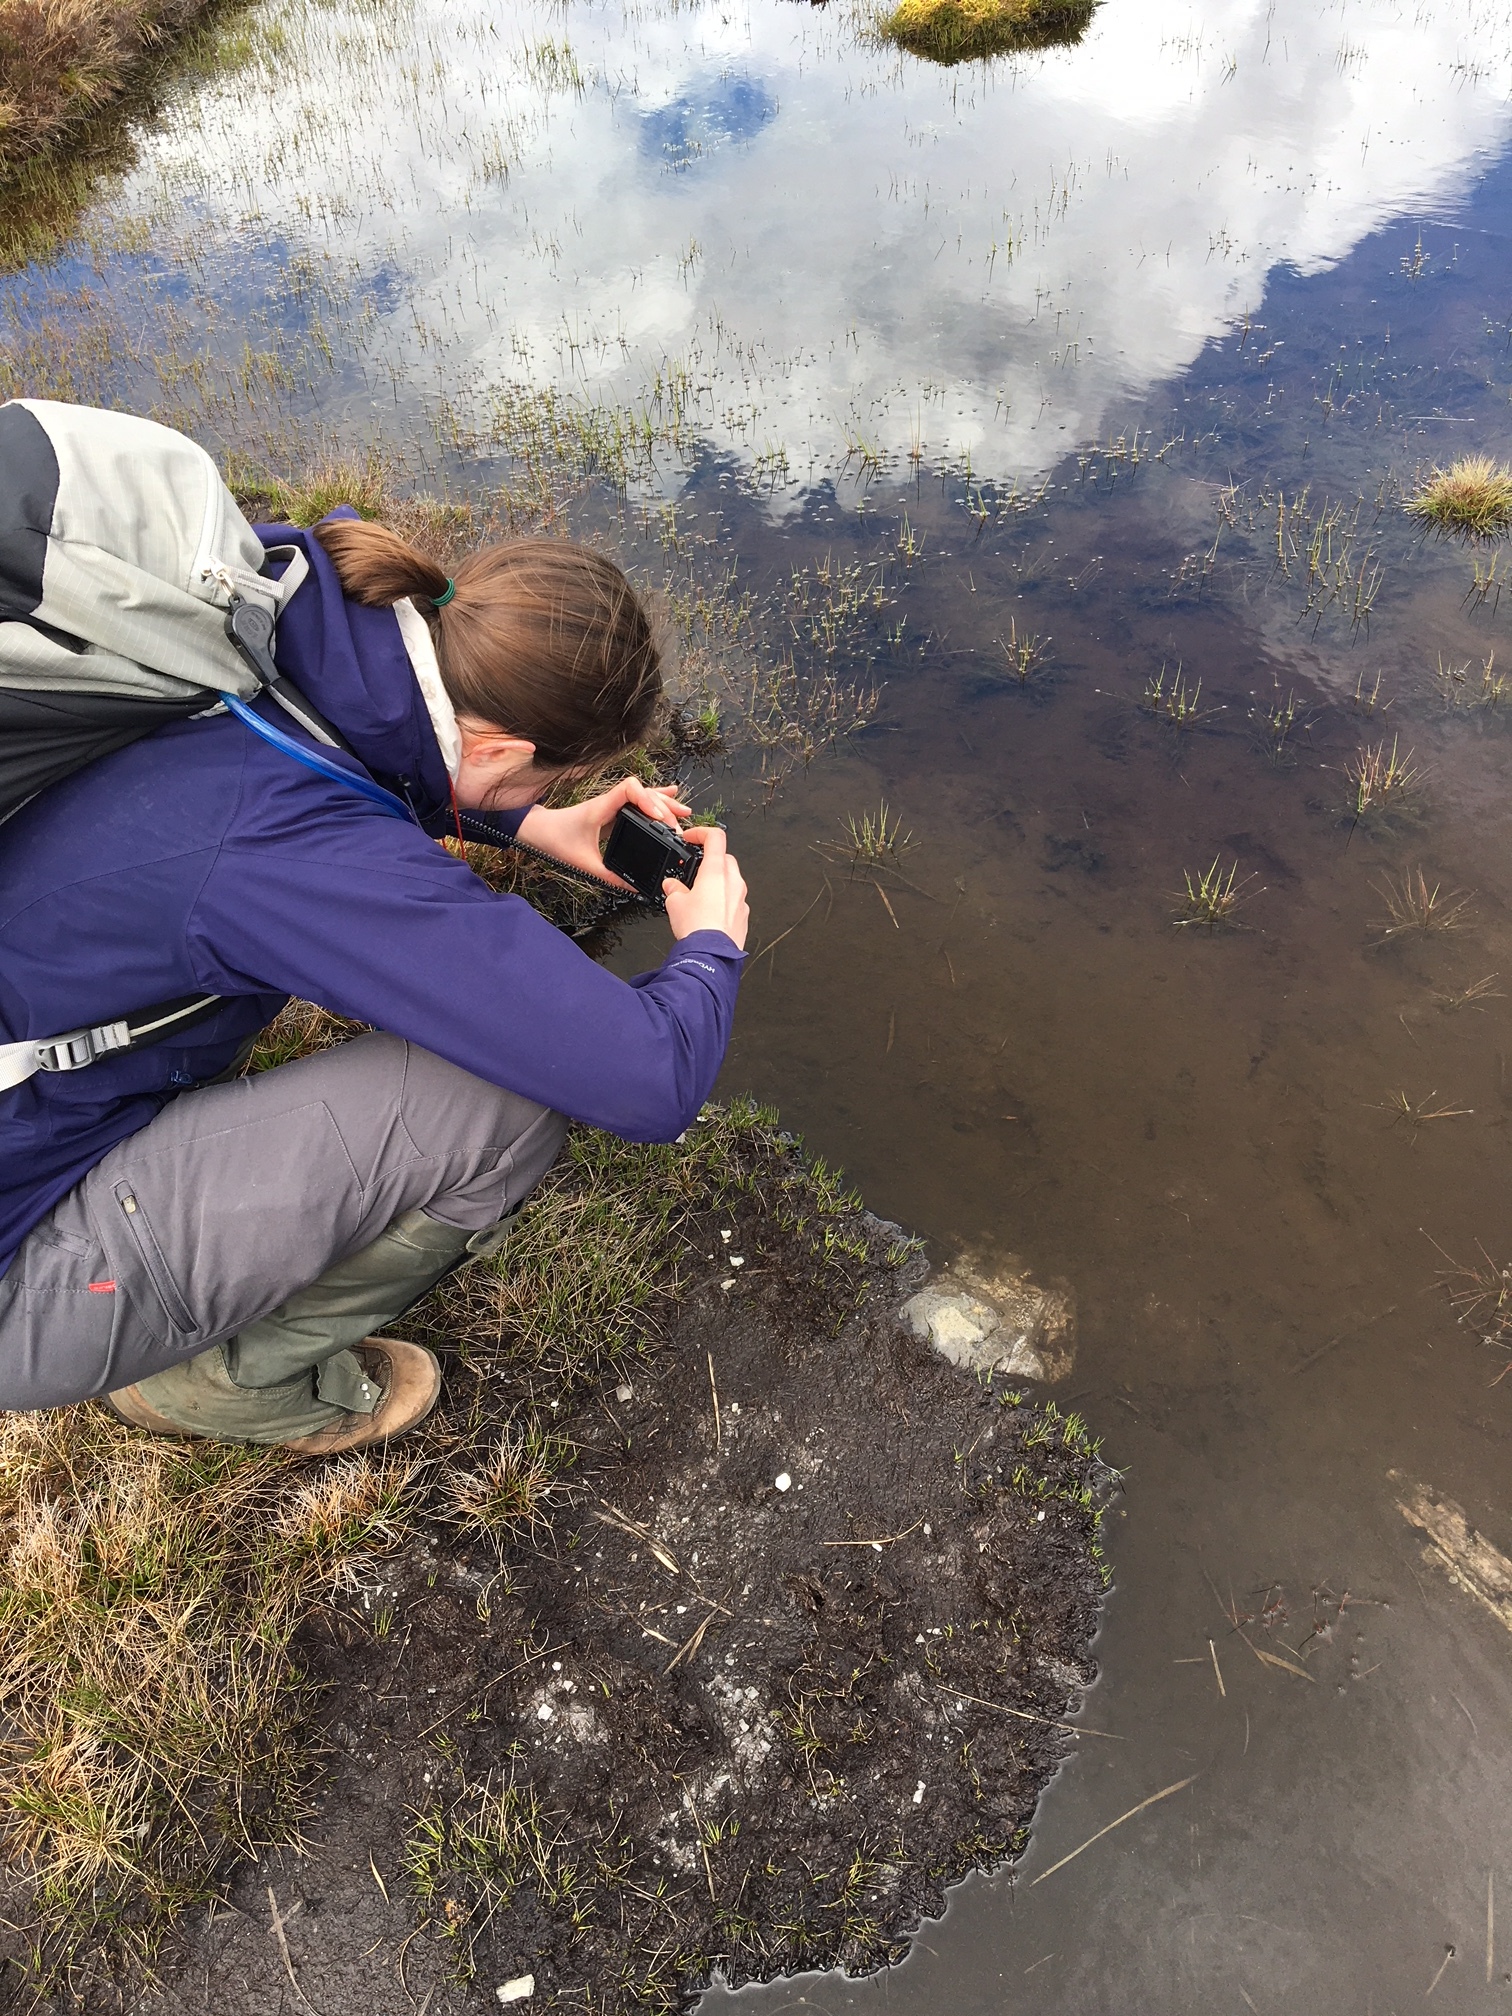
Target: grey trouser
[{"x": 213, "y": 1222}]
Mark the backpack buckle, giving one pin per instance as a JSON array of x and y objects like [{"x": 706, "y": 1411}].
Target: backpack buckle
[{"x": 82, "y": 1046}]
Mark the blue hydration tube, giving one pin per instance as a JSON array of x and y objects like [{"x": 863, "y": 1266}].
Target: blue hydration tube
[{"x": 322, "y": 765}]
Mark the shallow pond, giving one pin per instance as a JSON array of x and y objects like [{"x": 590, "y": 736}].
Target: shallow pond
[{"x": 1108, "y": 366}]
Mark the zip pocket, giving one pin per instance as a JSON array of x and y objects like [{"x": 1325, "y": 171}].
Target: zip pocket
[{"x": 174, "y": 1306}]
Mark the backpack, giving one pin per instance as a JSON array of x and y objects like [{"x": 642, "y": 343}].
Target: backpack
[{"x": 131, "y": 595}]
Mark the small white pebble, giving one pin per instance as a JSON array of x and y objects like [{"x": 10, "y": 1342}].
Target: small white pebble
[
  {"x": 682, "y": 1609},
  {"x": 783, "y": 1481},
  {"x": 928, "y": 1530},
  {"x": 727, "y": 1235},
  {"x": 1039, "y": 1515},
  {"x": 545, "y": 1712},
  {"x": 623, "y": 1393},
  {"x": 556, "y": 1665},
  {"x": 727, "y": 1285},
  {"x": 920, "y": 1639},
  {"x": 737, "y": 1259},
  {"x": 523, "y": 1985},
  {"x": 919, "y": 1793},
  {"x": 876, "y": 1546}
]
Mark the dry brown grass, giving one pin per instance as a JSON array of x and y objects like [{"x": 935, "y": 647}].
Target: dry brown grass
[
  {"x": 61, "y": 61},
  {"x": 150, "y": 1591}
]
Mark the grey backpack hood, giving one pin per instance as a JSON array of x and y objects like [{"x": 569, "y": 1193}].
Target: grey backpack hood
[{"x": 120, "y": 547}]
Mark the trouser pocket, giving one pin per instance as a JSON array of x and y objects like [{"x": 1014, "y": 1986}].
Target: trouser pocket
[{"x": 166, "y": 1288}]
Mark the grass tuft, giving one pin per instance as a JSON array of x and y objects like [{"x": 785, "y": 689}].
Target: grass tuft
[
  {"x": 872, "y": 841},
  {"x": 1412, "y": 906},
  {"x": 967, "y": 31},
  {"x": 1211, "y": 899},
  {"x": 150, "y": 1591},
  {"x": 1471, "y": 500},
  {"x": 1380, "y": 784},
  {"x": 1022, "y": 654}
]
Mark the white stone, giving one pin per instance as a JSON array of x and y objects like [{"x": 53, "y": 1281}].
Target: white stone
[
  {"x": 986, "y": 1322},
  {"x": 784, "y": 1482},
  {"x": 519, "y": 1990}
]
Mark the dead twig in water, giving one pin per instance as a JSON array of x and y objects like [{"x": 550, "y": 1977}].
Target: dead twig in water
[
  {"x": 890, "y": 910},
  {"x": 1448, "y": 1956},
  {"x": 1218, "y": 1671},
  {"x": 772, "y": 947},
  {"x": 1273, "y": 1659},
  {"x": 1153, "y": 1800}
]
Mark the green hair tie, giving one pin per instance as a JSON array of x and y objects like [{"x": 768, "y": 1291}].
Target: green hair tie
[{"x": 440, "y": 601}]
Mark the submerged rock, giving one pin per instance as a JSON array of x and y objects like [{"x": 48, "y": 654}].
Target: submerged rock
[{"x": 995, "y": 1322}]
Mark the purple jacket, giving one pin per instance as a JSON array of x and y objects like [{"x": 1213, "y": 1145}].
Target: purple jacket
[{"x": 202, "y": 860}]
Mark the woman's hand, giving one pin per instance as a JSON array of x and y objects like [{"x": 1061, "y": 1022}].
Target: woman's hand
[
  {"x": 717, "y": 900},
  {"x": 575, "y": 834}
]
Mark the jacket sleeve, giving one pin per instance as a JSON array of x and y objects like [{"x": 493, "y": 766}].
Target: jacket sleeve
[{"x": 370, "y": 919}]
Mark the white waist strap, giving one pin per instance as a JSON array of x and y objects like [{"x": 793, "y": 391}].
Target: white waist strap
[{"x": 20, "y": 1061}]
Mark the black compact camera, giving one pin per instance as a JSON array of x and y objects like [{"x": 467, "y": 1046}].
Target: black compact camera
[{"x": 645, "y": 853}]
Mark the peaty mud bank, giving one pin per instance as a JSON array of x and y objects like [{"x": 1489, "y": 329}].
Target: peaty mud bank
[{"x": 787, "y": 1649}]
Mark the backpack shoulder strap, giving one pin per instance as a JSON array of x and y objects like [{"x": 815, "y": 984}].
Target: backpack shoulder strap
[{"x": 81, "y": 1047}]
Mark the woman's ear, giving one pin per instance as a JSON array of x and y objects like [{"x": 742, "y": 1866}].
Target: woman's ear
[{"x": 497, "y": 771}]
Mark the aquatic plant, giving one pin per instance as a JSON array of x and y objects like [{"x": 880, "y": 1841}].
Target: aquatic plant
[
  {"x": 872, "y": 841},
  {"x": 1277, "y": 720},
  {"x": 1379, "y": 783},
  {"x": 1455, "y": 684},
  {"x": 1213, "y": 896},
  {"x": 1367, "y": 703},
  {"x": 1412, "y": 906},
  {"x": 1480, "y": 1293},
  {"x": 1473, "y": 996},
  {"x": 965, "y": 31},
  {"x": 1169, "y": 698},
  {"x": 1418, "y": 1113},
  {"x": 1022, "y": 654},
  {"x": 1471, "y": 499}
]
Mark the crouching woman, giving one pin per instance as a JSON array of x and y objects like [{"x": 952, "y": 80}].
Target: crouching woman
[{"x": 218, "y": 1255}]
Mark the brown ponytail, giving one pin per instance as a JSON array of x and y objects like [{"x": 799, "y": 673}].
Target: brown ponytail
[{"x": 543, "y": 638}]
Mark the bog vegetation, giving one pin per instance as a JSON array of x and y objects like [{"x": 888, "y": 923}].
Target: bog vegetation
[
  {"x": 1471, "y": 499},
  {"x": 963, "y": 31},
  {"x": 62, "y": 61}
]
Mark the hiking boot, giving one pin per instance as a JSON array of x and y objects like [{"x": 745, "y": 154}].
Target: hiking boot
[{"x": 401, "y": 1383}]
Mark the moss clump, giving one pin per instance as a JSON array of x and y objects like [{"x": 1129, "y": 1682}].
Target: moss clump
[
  {"x": 962, "y": 31},
  {"x": 1472, "y": 497}
]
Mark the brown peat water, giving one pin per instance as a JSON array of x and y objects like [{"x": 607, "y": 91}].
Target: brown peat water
[{"x": 1111, "y": 367}]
